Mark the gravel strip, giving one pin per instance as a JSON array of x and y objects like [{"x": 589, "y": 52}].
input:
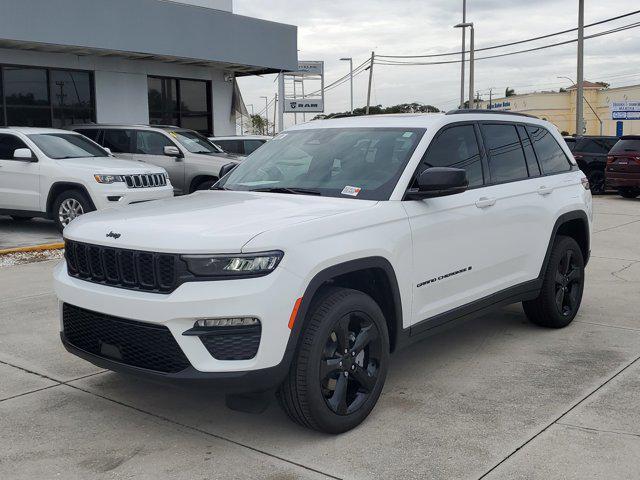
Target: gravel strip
[{"x": 21, "y": 258}]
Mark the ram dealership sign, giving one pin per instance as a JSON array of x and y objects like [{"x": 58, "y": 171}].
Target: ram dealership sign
[
  {"x": 304, "y": 106},
  {"x": 625, "y": 110}
]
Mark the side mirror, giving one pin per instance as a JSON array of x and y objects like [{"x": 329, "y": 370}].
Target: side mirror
[
  {"x": 172, "y": 151},
  {"x": 24, "y": 154},
  {"x": 439, "y": 182},
  {"x": 227, "y": 169}
]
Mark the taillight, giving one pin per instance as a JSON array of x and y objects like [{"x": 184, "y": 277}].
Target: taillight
[
  {"x": 585, "y": 183},
  {"x": 577, "y": 156},
  {"x": 610, "y": 159}
]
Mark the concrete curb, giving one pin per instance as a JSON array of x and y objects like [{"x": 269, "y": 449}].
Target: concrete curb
[{"x": 33, "y": 248}]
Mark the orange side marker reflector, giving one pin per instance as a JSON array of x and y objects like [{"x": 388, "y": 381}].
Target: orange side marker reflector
[{"x": 294, "y": 313}]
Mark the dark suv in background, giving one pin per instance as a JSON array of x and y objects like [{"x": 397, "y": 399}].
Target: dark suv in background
[
  {"x": 590, "y": 153},
  {"x": 623, "y": 166}
]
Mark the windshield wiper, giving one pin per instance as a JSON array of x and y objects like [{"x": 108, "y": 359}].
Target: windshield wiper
[{"x": 294, "y": 191}]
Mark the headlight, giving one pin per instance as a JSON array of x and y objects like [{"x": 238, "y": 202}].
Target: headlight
[
  {"x": 108, "y": 178},
  {"x": 252, "y": 264}
]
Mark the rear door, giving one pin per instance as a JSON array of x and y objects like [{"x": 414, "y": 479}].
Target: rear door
[
  {"x": 19, "y": 179},
  {"x": 120, "y": 141},
  {"x": 519, "y": 225}
]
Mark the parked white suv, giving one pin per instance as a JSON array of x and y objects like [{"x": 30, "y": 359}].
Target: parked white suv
[
  {"x": 60, "y": 175},
  {"x": 328, "y": 249}
]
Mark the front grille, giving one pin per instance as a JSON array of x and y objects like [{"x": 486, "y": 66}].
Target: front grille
[
  {"x": 238, "y": 343},
  {"x": 138, "y": 344},
  {"x": 131, "y": 269},
  {"x": 145, "y": 180}
]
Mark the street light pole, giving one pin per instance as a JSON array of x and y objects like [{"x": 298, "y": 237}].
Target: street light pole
[
  {"x": 350, "y": 60},
  {"x": 464, "y": 45},
  {"x": 471, "y": 59},
  {"x": 580, "y": 90},
  {"x": 590, "y": 106}
]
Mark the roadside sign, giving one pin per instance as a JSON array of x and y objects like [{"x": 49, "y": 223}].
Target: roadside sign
[
  {"x": 306, "y": 105},
  {"x": 625, "y": 110},
  {"x": 295, "y": 100},
  {"x": 619, "y": 128},
  {"x": 309, "y": 68}
]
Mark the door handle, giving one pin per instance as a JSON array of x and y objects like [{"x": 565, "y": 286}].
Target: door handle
[
  {"x": 484, "y": 202},
  {"x": 543, "y": 190}
]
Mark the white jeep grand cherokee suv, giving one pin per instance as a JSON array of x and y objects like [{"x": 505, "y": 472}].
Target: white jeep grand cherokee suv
[
  {"x": 328, "y": 249},
  {"x": 60, "y": 175}
]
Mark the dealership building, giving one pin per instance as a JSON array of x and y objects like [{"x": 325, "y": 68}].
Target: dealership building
[{"x": 133, "y": 61}]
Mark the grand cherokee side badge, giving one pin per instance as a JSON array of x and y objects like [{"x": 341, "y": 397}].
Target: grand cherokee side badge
[{"x": 113, "y": 235}]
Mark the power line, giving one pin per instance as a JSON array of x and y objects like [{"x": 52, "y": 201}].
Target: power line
[
  {"x": 542, "y": 37},
  {"x": 444, "y": 62}
]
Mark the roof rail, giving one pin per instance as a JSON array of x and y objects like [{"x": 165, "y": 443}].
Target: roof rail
[{"x": 488, "y": 111}]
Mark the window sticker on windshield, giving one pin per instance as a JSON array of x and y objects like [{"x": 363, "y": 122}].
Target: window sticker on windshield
[
  {"x": 351, "y": 191},
  {"x": 407, "y": 134},
  {"x": 173, "y": 134}
]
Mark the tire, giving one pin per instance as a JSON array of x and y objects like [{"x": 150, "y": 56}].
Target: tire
[
  {"x": 315, "y": 402},
  {"x": 629, "y": 192},
  {"x": 69, "y": 205},
  {"x": 19, "y": 218},
  {"x": 596, "y": 182},
  {"x": 559, "y": 300}
]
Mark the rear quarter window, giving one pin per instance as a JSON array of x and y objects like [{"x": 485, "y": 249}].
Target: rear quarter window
[
  {"x": 625, "y": 146},
  {"x": 551, "y": 156}
]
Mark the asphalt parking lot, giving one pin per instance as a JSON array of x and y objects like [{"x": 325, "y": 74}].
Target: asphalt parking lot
[{"x": 495, "y": 398}]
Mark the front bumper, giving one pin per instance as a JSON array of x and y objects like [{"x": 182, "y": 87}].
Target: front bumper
[
  {"x": 114, "y": 195},
  {"x": 270, "y": 299}
]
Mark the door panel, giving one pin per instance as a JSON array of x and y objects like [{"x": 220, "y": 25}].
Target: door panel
[
  {"x": 149, "y": 148},
  {"x": 19, "y": 181}
]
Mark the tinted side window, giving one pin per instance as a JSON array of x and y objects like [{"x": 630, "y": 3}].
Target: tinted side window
[
  {"x": 506, "y": 157},
  {"x": 530, "y": 156},
  {"x": 456, "y": 147},
  {"x": 551, "y": 157},
  {"x": 592, "y": 145},
  {"x": 8, "y": 144},
  {"x": 626, "y": 145},
  {"x": 151, "y": 143},
  {"x": 251, "y": 146},
  {"x": 231, "y": 146},
  {"x": 118, "y": 141},
  {"x": 91, "y": 133}
]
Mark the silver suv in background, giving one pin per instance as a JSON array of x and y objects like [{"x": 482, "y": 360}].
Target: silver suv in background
[
  {"x": 192, "y": 162},
  {"x": 241, "y": 145}
]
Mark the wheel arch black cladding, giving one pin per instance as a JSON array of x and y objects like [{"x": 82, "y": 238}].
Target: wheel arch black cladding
[
  {"x": 574, "y": 224},
  {"x": 60, "y": 187}
]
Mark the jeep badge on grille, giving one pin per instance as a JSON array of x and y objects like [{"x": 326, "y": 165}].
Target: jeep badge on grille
[{"x": 113, "y": 235}]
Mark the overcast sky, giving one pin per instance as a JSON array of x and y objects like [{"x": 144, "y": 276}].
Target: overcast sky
[{"x": 328, "y": 30}]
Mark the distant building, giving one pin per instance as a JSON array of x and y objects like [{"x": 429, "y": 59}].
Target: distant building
[{"x": 560, "y": 107}]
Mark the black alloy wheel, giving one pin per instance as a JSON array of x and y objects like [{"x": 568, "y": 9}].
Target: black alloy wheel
[
  {"x": 596, "y": 182},
  {"x": 568, "y": 280},
  {"x": 350, "y": 363}
]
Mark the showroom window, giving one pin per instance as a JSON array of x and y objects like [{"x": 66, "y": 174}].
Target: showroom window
[
  {"x": 43, "y": 97},
  {"x": 180, "y": 102}
]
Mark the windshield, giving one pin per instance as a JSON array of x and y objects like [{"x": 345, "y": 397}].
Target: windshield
[
  {"x": 363, "y": 163},
  {"x": 194, "y": 142},
  {"x": 66, "y": 145}
]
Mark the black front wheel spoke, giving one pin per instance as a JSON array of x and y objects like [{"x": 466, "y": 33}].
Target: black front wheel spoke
[
  {"x": 366, "y": 380},
  {"x": 364, "y": 338},
  {"x": 342, "y": 334},
  {"x": 560, "y": 300},
  {"x": 338, "y": 401},
  {"x": 574, "y": 275},
  {"x": 328, "y": 366}
]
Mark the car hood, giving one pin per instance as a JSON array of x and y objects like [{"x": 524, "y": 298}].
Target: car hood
[
  {"x": 109, "y": 165},
  {"x": 210, "y": 221}
]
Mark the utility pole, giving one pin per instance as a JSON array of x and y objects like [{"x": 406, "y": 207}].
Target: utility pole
[
  {"x": 281, "y": 105},
  {"x": 373, "y": 56},
  {"x": 350, "y": 60},
  {"x": 275, "y": 110},
  {"x": 579, "y": 85},
  {"x": 464, "y": 44},
  {"x": 477, "y": 100},
  {"x": 490, "y": 98},
  {"x": 266, "y": 113}
]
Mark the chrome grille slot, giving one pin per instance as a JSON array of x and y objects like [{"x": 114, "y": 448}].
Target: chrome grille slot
[{"x": 146, "y": 180}]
